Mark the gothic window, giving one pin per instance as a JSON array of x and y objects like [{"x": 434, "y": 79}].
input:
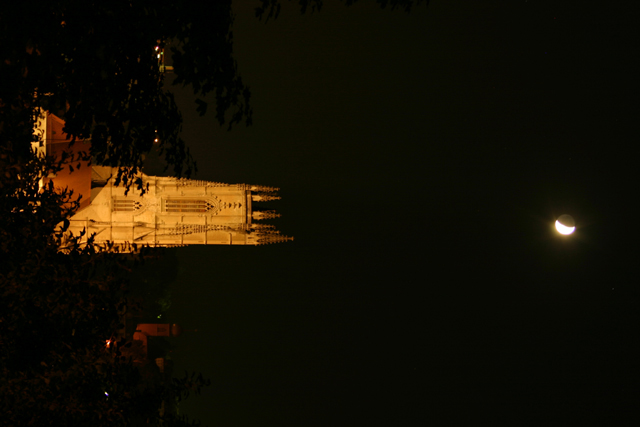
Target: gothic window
[
  {"x": 126, "y": 205},
  {"x": 181, "y": 205}
]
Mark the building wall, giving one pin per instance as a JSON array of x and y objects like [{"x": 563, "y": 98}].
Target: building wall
[{"x": 173, "y": 212}]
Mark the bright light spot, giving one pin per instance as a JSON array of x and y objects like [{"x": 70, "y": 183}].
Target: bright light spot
[
  {"x": 565, "y": 224},
  {"x": 155, "y": 140},
  {"x": 106, "y": 394},
  {"x": 108, "y": 343},
  {"x": 564, "y": 229},
  {"x": 157, "y": 47}
]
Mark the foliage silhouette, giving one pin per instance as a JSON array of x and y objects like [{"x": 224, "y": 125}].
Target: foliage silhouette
[
  {"x": 57, "y": 311},
  {"x": 96, "y": 65},
  {"x": 269, "y": 9}
]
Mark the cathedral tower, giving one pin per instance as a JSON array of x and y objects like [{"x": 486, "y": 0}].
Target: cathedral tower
[
  {"x": 171, "y": 212},
  {"x": 175, "y": 212}
]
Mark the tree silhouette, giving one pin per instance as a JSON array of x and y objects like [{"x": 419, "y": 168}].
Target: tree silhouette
[
  {"x": 57, "y": 312},
  {"x": 271, "y": 8},
  {"x": 96, "y": 65}
]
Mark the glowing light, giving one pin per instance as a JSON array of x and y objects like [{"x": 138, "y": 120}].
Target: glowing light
[
  {"x": 106, "y": 394},
  {"x": 565, "y": 224},
  {"x": 108, "y": 343}
]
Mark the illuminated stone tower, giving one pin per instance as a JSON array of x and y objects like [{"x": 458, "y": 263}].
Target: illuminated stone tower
[
  {"x": 175, "y": 212},
  {"x": 172, "y": 212}
]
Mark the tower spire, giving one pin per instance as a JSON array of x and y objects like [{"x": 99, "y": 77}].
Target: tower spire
[
  {"x": 261, "y": 197},
  {"x": 258, "y": 215},
  {"x": 263, "y": 188}
]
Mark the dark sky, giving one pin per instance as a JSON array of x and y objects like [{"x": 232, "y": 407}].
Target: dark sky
[{"x": 422, "y": 160}]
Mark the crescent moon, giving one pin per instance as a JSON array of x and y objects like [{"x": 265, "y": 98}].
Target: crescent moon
[{"x": 563, "y": 229}]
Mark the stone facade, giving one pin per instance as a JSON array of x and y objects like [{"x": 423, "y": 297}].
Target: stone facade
[
  {"x": 171, "y": 212},
  {"x": 174, "y": 212}
]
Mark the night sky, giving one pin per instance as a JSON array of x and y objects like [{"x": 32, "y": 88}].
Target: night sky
[{"x": 422, "y": 160}]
